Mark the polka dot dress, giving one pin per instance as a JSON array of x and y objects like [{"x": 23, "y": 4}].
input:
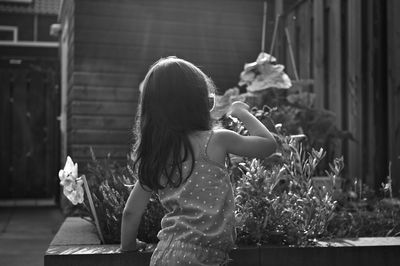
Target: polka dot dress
[{"x": 198, "y": 228}]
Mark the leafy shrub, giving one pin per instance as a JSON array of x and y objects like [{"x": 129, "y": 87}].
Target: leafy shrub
[
  {"x": 382, "y": 220},
  {"x": 276, "y": 201},
  {"x": 295, "y": 110},
  {"x": 279, "y": 205}
]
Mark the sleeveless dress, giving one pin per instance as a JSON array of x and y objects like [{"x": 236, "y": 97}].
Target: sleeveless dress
[{"x": 199, "y": 227}]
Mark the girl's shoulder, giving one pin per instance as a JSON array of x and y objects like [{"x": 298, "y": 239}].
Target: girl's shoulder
[
  {"x": 218, "y": 144},
  {"x": 223, "y": 137}
]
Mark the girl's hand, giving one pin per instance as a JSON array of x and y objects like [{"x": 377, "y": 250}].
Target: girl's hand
[{"x": 237, "y": 108}]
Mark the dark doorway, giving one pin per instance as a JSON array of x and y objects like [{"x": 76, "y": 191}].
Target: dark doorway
[{"x": 29, "y": 127}]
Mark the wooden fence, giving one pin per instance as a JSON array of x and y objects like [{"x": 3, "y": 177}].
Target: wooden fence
[
  {"x": 393, "y": 87},
  {"x": 343, "y": 47}
]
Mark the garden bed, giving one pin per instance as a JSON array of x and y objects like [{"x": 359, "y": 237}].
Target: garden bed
[{"x": 76, "y": 243}]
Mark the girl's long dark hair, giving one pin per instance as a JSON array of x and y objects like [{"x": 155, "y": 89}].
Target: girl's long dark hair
[{"x": 173, "y": 103}]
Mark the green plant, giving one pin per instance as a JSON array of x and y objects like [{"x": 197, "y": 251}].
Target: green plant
[
  {"x": 295, "y": 111},
  {"x": 276, "y": 201},
  {"x": 380, "y": 219},
  {"x": 366, "y": 214},
  {"x": 279, "y": 205}
]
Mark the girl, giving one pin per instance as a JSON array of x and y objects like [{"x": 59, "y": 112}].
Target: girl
[{"x": 180, "y": 157}]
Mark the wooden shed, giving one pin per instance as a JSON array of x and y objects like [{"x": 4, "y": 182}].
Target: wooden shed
[{"x": 349, "y": 49}]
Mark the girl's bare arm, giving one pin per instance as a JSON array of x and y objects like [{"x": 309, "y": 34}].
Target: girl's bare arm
[
  {"x": 131, "y": 216},
  {"x": 260, "y": 144}
]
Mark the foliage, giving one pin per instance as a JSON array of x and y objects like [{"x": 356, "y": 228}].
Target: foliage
[
  {"x": 264, "y": 74},
  {"x": 380, "y": 219},
  {"x": 364, "y": 213},
  {"x": 279, "y": 205},
  {"x": 110, "y": 186},
  {"x": 272, "y": 200},
  {"x": 276, "y": 199},
  {"x": 295, "y": 110}
]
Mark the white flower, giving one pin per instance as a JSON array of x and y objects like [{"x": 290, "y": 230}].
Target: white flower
[
  {"x": 262, "y": 74},
  {"x": 72, "y": 185}
]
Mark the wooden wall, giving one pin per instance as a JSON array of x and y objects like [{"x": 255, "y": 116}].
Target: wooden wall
[
  {"x": 113, "y": 45},
  {"x": 393, "y": 96},
  {"x": 66, "y": 54},
  {"x": 349, "y": 49}
]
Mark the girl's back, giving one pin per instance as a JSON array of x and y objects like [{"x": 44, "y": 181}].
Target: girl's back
[{"x": 200, "y": 213}]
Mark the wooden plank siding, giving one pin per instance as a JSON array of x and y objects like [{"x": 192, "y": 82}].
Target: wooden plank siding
[
  {"x": 393, "y": 96},
  {"x": 375, "y": 90},
  {"x": 319, "y": 52},
  {"x": 353, "y": 87},
  {"x": 371, "y": 154},
  {"x": 304, "y": 40},
  {"x": 334, "y": 64},
  {"x": 205, "y": 35},
  {"x": 113, "y": 44},
  {"x": 349, "y": 50},
  {"x": 66, "y": 17}
]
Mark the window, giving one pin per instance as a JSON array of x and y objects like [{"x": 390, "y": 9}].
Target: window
[{"x": 8, "y": 33}]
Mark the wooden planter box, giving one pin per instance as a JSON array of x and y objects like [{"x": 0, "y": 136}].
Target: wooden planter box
[{"x": 76, "y": 244}]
